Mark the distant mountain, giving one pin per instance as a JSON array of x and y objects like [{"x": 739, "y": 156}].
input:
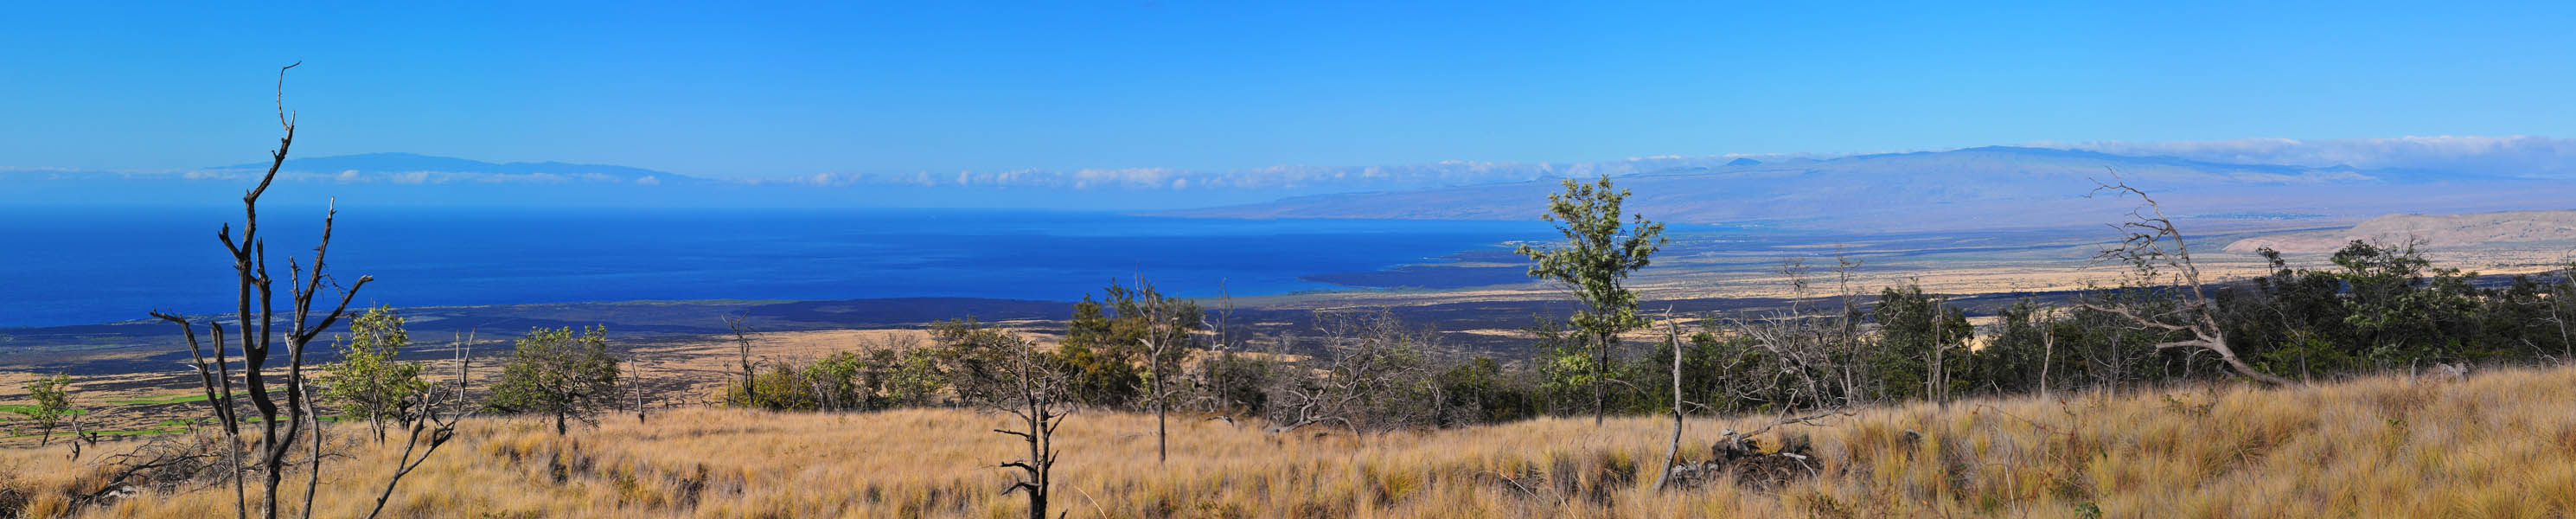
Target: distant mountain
[
  {"x": 1976, "y": 188},
  {"x": 413, "y": 168}
]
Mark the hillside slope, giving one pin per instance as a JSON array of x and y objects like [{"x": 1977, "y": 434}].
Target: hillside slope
[
  {"x": 2509, "y": 229},
  {"x": 2501, "y": 444}
]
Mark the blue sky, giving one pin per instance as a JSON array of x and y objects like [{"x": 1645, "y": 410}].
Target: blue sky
[{"x": 737, "y": 91}]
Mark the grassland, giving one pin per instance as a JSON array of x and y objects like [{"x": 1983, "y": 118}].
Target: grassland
[{"x": 2500, "y": 444}]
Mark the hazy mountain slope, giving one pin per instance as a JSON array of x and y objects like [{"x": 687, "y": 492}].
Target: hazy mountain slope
[
  {"x": 2511, "y": 229},
  {"x": 1993, "y": 187},
  {"x": 412, "y": 168}
]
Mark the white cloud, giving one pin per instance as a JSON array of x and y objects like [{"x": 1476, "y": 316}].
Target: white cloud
[{"x": 1401, "y": 176}]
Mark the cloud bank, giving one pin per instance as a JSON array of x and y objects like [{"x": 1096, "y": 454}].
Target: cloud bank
[
  {"x": 1402, "y": 176},
  {"x": 2511, "y": 157}
]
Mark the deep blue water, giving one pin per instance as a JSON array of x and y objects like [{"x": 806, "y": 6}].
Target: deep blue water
[{"x": 82, "y": 266}]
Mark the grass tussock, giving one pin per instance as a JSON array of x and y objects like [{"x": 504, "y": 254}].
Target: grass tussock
[{"x": 2502, "y": 444}]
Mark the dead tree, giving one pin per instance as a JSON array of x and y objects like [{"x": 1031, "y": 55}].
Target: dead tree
[
  {"x": 250, "y": 267},
  {"x": 1938, "y": 384},
  {"x": 2047, "y": 322},
  {"x": 218, "y": 383},
  {"x": 82, "y": 434},
  {"x": 312, "y": 476},
  {"x": 437, "y": 428},
  {"x": 2157, "y": 257},
  {"x": 1847, "y": 348},
  {"x": 1672, "y": 452},
  {"x": 1806, "y": 349},
  {"x": 2558, "y": 295},
  {"x": 1006, "y": 374},
  {"x": 742, "y": 335},
  {"x": 1367, "y": 378},
  {"x": 635, "y": 384},
  {"x": 167, "y": 464},
  {"x": 1166, "y": 334}
]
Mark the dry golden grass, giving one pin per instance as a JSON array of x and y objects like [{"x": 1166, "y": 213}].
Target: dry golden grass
[{"x": 2502, "y": 444}]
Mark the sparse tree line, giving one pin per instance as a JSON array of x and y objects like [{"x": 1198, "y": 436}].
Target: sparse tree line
[{"x": 2377, "y": 308}]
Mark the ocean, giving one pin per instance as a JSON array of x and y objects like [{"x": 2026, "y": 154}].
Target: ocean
[{"x": 105, "y": 264}]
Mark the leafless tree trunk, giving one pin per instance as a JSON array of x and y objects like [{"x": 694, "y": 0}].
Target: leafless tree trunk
[
  {"x": 1162, "y": 334},
  {"x": 81, "y": 435},
  {"x": 1224, "y": 317},
  {"x": 218, "y": 384},
  {"x": 2047, "y": 325},
  {"x": 2153, "y": 246},
  {"x": 635, "y": 385},
  {"x": 2558, "y": 313},
  {"x": 1847, "y": 328},
  {"x": 1672, "y": 451},
  {"x": 439, "y": 428},
  {"x": 742, "y": 335},
  {"x": 1941, "y": 354},
  {"x": 250, "y": 267},
  {"x": 1037, "y": 395},
  {"x": 313, "y": 476}
]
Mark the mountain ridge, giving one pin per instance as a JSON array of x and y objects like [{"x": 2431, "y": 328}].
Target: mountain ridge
[
  {"x": 1990, "y": 187},
  {"x": 396, "y": 163}
]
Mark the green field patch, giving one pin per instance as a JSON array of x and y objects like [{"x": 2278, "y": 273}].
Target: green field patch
[{"x": 29, "y": 408}]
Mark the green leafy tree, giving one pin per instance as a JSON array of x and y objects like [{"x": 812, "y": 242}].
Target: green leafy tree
[
  {"x": 556, "y": 372},
  {"x": 1923, "y": 344},
  {"x": 1098, "y": 357},
  {"x": 1107, "y": 338},
  {"x": 2386, "y": 306},
  {"x": 2294, "y": 321},
  {"x": 1239, "y": 383},
  {"x": 1602, "y": 247},
  {"x": 2401, "y": 314},
  {"x": 784, "y": 388},
  {"x": 918, "y": 376},
  {"x": 53, "y": 404},
  {"x": 2528, "y": 318},
  {"x": 2017, "y": 356},
  {"x": 368, "y": 383},
  {"x": 837, "y": 382},
  {"x": 1481, "y": 391}
]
